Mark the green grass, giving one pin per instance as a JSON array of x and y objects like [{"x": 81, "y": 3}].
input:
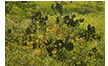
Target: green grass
[{"x": 17, "y": 18}]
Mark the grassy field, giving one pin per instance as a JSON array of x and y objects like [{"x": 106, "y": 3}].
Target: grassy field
[{"x": 49, "y": 33}]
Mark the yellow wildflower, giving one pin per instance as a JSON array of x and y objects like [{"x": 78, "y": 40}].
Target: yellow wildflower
[
  {"x": 54, "y": 52},
  {"x": 55, "y": 25},
  {"x": 76, "y": 38},
  {"x": 72, "y": 35},
  {"x": 93, "y": 53},
  {"x": 37, "y": 52},
  {"x": 41, "y": 36},
  {"x": 90, "y": 37},
  {"x": 31, "y": 42},
  {"x": 38, "y": 8},
  {"x": 40, "y": 41},
  {"x": 59, "y": 44},
  {"x": 81, "y": 38},
  {"x": 32, "y": 35},
  {"x": 16, "y": 57},
  {"x": 8, "y": 46},
  {"x": 73, "y": 41},
  {"x": 27, "y": 42},
  {"x": 38, "y": 26},
  {"x": 6, "y": 14},
  {"x": 53, "y": 29},
  {"x": 47, "y": 29},
  {"x": 55, "y": 45},
  {"x": 52, "y": 16},
  {"x": 36, "y": 41},
  {"x": 27, "y": 37},
  {"x": 29, "y": 13}
]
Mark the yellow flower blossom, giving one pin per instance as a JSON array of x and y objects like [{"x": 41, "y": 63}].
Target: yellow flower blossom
[
  {"x": 53, "y": 29},
  {"x": 16, "y": 57},
  {"x": 8, "y": 46},
  {"x": 93, "y": 53},
  {"x": 38, "y": 8},
  {"x": 7, "y": 15},
  {"x": 54, "y": 52},
  {"x": 37, "y": 52},
  {"x": 27, "y": 42},
  {"x": 38, "y": 26},
  {"x": 55, "y": 25},
  {"x": 32, "y": 35},
  {"x": 76, "y": 38},
  {"x": 36, "y": 41},
  {"x": 29, "y": 13},
  {"x": 73, "y": 41},
  {"x": 81, "y": 38},
  {"x": 72, "y": 35},
  {"x": 41, "y": 36},
  {"x": 59, "y": 44},
  {"x": 55, "y": 45},
  {"x": 47, "y": 29},
  {"x": 52, "y": 16},
  {"x": 31, "y": 42}
]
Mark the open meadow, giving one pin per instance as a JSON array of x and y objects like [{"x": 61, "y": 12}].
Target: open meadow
[{"x": 55, "y": 33}]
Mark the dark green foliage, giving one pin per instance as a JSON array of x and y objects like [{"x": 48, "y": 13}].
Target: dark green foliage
[
  {"x": 66, "y": 17},
  {"x": 9, "y": 31},
  {"x": 50, "y": 49},
  {"x": 57, "y": 20},
  {"x": 46, "y": 17},
  {"x": 70, "y": 1},
  {"x": 81, "y": 20},
  {"x": 34, "y": 45},
  {"x": 69, "y": 46},
  {"x": 58, "y": 6},
  {"x": 73, "y": 15},
  {"x": 94, "y": 50},
  {"x": 25, "y": 44},
  {"x": 52, "y": 6},
  {"x": 28, "y": 30},
  {"x": 61, "y": 56},
  {"x": 59, "y": 42}
]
